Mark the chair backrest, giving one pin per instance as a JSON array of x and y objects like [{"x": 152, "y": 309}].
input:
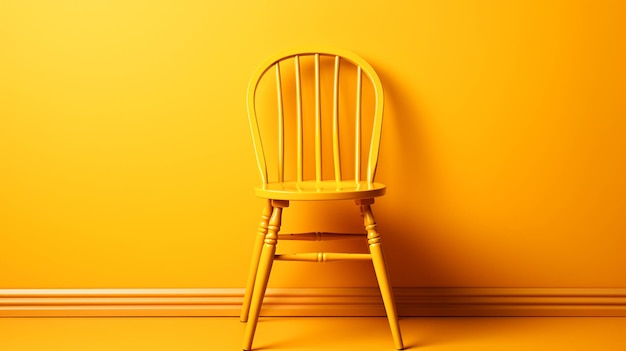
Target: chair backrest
[{"x": 320, "y": 111}]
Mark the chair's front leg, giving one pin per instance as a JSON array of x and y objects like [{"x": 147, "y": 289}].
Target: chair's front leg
[
  {"x": 265, "y": 266},
  {"x": 256, "y": 255},
  {"x": 378, "y": 259}
]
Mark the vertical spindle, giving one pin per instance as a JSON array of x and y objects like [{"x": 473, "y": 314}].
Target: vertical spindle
[
  {"x": 318, "y": 122},
  {"x": 336, "y": 153},
  {"x": 357, "y": 136},
  {"x": 281, "y": 125},
  {"x": 299, "y": 161}
]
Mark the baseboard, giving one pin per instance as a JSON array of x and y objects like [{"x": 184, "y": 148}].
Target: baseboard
[
  {"x": 313, "y": 302},
  {"x": 512, "y": 302}
]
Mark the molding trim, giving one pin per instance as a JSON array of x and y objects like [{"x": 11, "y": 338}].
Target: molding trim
[{"x": 411, "y": 302}]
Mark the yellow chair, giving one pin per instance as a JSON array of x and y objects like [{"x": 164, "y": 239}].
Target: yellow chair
[{"x": 317, "y": 112}]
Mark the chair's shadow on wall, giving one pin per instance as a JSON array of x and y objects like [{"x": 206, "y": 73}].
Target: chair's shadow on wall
[{"x": 407, "y": 166}]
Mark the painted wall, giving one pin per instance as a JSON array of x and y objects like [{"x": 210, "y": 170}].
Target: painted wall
[{"x": 125, "y": 159}]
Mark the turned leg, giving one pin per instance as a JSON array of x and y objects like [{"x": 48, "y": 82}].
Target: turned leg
[
  {"x": 378, "y": 259},
  {"x": 256, "y": 255},
  {"x": 265, "y": 267}
]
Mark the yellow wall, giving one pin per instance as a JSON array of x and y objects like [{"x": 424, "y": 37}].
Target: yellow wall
[{"x": 125, "y": 159}]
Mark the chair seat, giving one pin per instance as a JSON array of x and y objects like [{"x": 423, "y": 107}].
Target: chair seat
[{"x": 324, "y": 190}]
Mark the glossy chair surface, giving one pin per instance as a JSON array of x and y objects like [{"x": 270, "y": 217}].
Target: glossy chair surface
[{"x": 316, "y": 121}]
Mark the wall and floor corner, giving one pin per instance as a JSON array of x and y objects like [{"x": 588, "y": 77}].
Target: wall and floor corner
[{"x": 126, "y": 168}]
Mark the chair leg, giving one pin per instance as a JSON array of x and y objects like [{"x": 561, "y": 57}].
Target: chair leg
[
  {"x": 254, "y": 264},
  {"x": 378, "y": 259},
  {"x": 265, "y": 266}
]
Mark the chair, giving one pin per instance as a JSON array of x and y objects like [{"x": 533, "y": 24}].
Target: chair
[{"x": 297, "y": 140}]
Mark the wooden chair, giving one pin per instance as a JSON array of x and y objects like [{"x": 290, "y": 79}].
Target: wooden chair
[{"x": 317, "y": 112}]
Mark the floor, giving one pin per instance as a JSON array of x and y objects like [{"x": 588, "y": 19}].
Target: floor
[{"x": 291, "y": 334}]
